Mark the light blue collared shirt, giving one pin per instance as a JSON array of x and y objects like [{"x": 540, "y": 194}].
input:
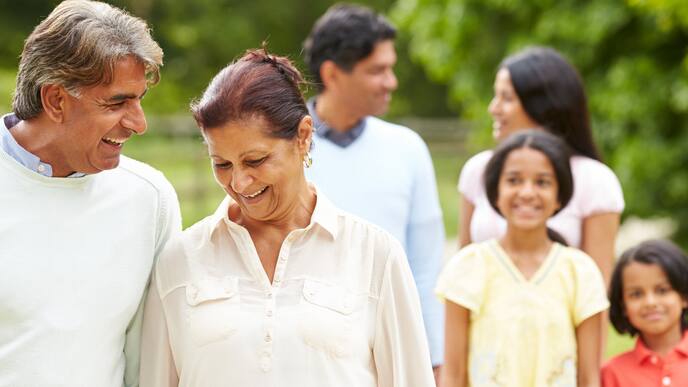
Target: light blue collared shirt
[
  {"x": 10, "y": 146},
  {"x": 341, "y": 139}
]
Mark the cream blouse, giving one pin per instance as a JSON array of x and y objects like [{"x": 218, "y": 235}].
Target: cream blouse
[{"x": 342, "y": 309}]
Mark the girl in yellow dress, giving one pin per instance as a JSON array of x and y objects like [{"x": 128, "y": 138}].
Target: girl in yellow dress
[{"x": 524, "y": 310}]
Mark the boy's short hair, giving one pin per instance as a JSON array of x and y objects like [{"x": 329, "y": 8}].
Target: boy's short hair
[{"x": 658, "y": 252}]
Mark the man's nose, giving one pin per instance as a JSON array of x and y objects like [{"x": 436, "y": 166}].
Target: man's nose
[{"x": 135, "y": 120}]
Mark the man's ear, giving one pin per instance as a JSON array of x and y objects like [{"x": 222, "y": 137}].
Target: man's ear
[
  {"x": 330, "y": 73},
  {"x": 304, "y": 134},
  {"x": 53, "y": 101}
]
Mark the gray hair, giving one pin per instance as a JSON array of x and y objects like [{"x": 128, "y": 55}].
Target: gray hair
[{"x": 77, "y": 46}]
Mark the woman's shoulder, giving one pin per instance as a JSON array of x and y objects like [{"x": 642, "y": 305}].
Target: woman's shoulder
[
  {"x": 591, "y": 169},
  {"x": 597, "y": 188},
  {"x": 358, "y": 231},
  {"x": 478, "y": 160},
  {"x": 173, "y": 260},
  {"x": 470, "y": 179}
]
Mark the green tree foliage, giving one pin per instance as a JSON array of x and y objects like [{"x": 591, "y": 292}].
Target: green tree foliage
[
  {"x": 200, "y": 37},
  {"x": 631, "y": 54}
]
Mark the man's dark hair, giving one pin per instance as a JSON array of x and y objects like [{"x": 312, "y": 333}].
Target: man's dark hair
[{"x": 345, "y": 34}]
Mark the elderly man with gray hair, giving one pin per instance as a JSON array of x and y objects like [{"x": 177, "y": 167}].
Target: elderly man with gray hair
[{"x": 80, "y": 224}]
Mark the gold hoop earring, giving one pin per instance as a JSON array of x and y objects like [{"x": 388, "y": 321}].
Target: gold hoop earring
[{"x": 307, "y": 160}]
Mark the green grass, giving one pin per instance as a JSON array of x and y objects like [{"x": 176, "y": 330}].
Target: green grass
[
  {"x": 617, "y": 344},
  {"x": 185, "y": 163}
]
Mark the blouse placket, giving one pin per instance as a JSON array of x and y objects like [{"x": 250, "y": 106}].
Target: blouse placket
[{"x": 271, "y": 289}]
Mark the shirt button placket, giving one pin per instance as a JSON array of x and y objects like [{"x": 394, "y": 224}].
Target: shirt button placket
[{"x": 266, "y": 358}]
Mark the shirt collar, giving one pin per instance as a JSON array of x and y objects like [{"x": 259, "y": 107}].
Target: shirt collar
[
  {"x": 342, "y": 139},
  {"x": 17, "y": 152},
  {"x": 642, "y": 353},
  {"x": 325, "y": 215},
  {"x": 9, "y": 145}
]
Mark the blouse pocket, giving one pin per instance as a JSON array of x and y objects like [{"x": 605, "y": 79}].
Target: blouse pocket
[
  {"x": 333, "y": 318},
  {"x": 213, "y": 308}
]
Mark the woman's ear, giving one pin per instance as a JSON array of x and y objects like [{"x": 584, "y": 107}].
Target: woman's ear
[{"x": 304, "y": 134}]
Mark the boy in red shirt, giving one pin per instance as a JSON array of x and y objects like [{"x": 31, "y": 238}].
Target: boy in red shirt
[{"x": 649, "y": 297}]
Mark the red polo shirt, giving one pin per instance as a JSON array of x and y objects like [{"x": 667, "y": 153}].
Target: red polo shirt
[{"x": 641, "y": 367}]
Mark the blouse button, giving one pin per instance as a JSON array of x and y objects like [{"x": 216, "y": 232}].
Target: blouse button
[
  {"x": 41, "y": 168},
  {"x": 653, "y": 359},
  {"x": 268, "y": 338},
  {"x": 265, "y": 363},
  {"x": 666, "y": 381}
]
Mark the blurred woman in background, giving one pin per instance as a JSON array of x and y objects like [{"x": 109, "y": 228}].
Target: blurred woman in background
[{"x": 538, "y": 89}]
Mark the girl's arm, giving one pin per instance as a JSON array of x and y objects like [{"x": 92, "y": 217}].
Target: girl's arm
[
  {"x": 465, "y": 215},
  {"x": 598, "y": 238},
  {"x": 588, "y": 343},
  {"x": 455, "y": 369}
]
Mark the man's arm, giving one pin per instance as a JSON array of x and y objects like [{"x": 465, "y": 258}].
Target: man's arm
[
  {"x": 169, "y": 222},
  {"x": 425, "y": 247}
]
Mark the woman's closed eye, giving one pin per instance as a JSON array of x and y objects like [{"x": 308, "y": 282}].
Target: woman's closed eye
[
  {"x": 222, "y": 164},
  {"x": 255, "y": 162}
]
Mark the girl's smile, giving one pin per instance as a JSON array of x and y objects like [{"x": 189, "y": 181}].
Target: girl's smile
[{"x": 527, "y": 189}]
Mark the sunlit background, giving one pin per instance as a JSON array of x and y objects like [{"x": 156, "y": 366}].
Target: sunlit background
[{"x": 632, "y": 55}]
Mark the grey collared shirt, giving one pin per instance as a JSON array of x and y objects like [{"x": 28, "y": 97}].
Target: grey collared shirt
[
  {"x": 342, "y": 139},
  {"x": 10, "y": 146}
]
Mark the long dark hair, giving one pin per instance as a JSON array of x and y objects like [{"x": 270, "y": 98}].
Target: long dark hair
[
  {"x": 552, "y": 94},
  {"x": 556, "y": 151}
]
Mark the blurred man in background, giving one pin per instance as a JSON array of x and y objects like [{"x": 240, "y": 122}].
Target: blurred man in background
[{"x": 372, "y": 168}]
